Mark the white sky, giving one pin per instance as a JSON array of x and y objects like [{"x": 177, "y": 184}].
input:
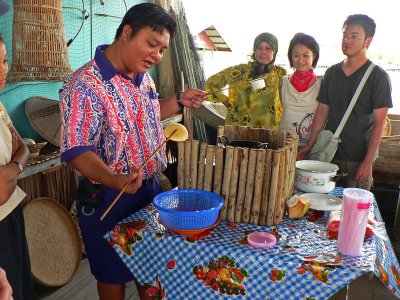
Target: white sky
[{"x": 240, "y": 24}]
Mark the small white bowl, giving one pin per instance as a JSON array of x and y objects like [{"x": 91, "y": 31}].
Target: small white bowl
[{"x": 257, "y": 84}]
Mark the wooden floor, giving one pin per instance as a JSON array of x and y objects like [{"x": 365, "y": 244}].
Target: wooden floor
[{"x": 81, "y": 287}]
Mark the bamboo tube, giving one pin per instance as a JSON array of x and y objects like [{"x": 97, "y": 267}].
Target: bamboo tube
[
  {"x": 220, "y": 131},
  {"x": 271, "y": 144},
  {"x": 262, "y": 135},
  {"x": 266, "y": 187},
  {"x": 227, "y": 181},
  {"x": 230, "y": 131},
  {"x": 258, "y": 185},
  {"x": 281, "y": 138},
  {"x": 273, "y": 188},
  {"x": 280, "y": 189},
  {"x": 252, "y": 134},
  {"x": 248, "y": 198},
  {"x": 219, "y": 168},
  {"x": 194, "y": 164},
  {"x": 188, "y": 151},
  {"x": 234, "y": 184},
  {"x": 209, "y": 168},
  {"x": 202, "y": 161},
  {"x": 181, "y": 165},
  {"x": 244, "y": 161}
]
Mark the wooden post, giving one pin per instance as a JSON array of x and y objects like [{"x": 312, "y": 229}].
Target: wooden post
[
  {"x": 200, "y": 176},
  {"x": 258, "y": 187},
  {"x": 188, "y": 151},
  {"x": 181, "y": 165},
  {"x": 279, "y": 205},
  {"x": 208, "y": 174},
  {"x": 219, "y": 169},
  {"x": 234, "y": 184},
  {"x": 194, "y": 164},
  {"x": 266, "y": 188},
  {"x": 273, "y": 188},
  {"x": 248, "y": 200},
  {"x": 227, "y": 181},
  {"x": 244, "y": 160}
]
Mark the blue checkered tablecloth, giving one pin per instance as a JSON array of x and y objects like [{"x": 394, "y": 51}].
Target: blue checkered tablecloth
[{"x": 309, "y": 264}]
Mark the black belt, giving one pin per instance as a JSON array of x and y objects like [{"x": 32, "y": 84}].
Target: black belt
[{"x": 148, "y": 181}]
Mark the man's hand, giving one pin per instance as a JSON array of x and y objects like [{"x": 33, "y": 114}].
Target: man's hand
[
  {"x": 193, "y": 98},
  {"x": 364, "y": 171}
]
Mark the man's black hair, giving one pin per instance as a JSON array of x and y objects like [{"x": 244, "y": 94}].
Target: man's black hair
[
  {"x": 364, "y": 21},
  {"x": 147, "y": 15}
]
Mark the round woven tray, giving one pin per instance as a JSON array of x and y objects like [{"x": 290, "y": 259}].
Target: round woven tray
[
  {"x": 44, "y": 116},
  {"x": 53, "y": 241}
]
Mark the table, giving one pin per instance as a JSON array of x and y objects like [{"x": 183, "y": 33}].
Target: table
[{"x": 304, "y": 264}]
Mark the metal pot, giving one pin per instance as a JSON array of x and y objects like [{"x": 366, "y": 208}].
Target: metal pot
[
  {"x": 313, "y": 176},
  {"x": 224, "y": 141}
]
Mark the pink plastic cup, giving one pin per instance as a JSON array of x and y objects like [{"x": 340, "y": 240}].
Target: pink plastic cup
[{"x": 261, "y": 239}]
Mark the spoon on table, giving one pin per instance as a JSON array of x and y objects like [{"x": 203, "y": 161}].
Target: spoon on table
[{"x": 174, "y": 132}]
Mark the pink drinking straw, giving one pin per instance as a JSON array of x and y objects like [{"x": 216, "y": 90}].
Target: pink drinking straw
[{"x": 353, "y": 220}]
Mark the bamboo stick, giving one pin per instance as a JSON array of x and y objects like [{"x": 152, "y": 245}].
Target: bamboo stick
[
  {"x": 208, "y": 174},
  {"x": 227, "y": 181},
  {"x": 188, "y": 151},
  {"x": 273, "y": 188},
  {"x": 194, "y": 164},
  {"x": 244, "y": 161},
  {"x": 220, "y": 131},
  {"x": 280, "y": 189},
  {"x": 219, "y": 168},
  {"x": 181, "y": 165},
  {"x": 248, "y": 199},
  {"x": 258, "y": 185},
  {"x": 266, "y": 188},
  {"x": 241, "y": 133},
  {"x": 271, "y": 144},
  {"x": 202, "y": 161},
  {"x": 234, "y": 184},
  {"x": 230, "y": 131}
]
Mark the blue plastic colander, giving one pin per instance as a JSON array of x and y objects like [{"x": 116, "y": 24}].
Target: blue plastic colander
[{"x": 188, "y": 209}]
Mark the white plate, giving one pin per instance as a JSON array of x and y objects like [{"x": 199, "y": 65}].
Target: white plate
[{"x": 324, "y": 202}]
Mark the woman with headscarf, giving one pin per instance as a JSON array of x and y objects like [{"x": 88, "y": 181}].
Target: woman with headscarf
[{"x": 259, "y": 108}]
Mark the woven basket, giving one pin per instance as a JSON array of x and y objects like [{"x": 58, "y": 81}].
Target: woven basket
[
  {"x": 39, "y": 48},
  {"x": 53, "y": 241},
  {"x": 44, "y": 116}
]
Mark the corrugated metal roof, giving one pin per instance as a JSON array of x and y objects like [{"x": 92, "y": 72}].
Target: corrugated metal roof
[{"x": 211, "y": 39}]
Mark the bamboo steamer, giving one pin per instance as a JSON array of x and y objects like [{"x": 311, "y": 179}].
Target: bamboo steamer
[{"x": 255, "y": 183}]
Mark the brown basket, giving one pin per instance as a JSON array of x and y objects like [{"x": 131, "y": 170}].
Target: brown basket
[
  {"x": 53, "y": 241},
  {"x": 44, "y": 116},
  {"x": 39, "y": 45}
]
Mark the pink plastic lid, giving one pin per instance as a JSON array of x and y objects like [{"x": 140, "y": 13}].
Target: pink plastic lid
[{"x": 261, "y": 239}]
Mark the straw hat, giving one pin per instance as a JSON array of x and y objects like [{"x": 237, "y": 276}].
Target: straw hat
[
  {"x": 53, "y": 241},
  {"x": 44, "y": 116}
]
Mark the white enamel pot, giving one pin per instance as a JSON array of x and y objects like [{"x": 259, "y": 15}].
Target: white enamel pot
[{"x": 313, "y": 176}]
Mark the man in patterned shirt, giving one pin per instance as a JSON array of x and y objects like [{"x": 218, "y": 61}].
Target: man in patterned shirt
[{"x": 111, "y": 123}]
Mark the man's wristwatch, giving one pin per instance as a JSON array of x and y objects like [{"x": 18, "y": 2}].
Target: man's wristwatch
[
  {"x": 21, "y": 167},
  {"x": 178, "y": 99}
]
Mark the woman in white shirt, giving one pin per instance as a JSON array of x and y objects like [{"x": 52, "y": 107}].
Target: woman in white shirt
[{"x": 299, "y": 90}]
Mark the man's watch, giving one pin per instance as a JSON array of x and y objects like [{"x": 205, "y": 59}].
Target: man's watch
[
  {"x": 20, "y": 166},
  {"x": 178, "y": 99}
]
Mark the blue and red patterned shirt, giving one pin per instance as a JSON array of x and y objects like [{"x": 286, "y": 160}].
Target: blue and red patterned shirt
[{"x": 105, "y": 111}]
